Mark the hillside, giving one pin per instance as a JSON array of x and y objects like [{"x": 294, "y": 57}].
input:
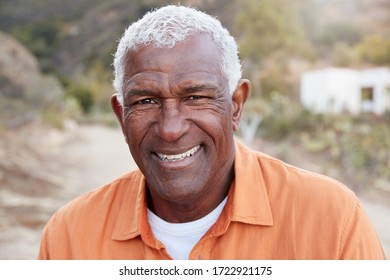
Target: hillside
[
  {"x": 24, "y": 90},
  {"x": 70, "y": 33}
]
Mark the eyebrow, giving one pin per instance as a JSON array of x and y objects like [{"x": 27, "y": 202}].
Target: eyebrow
[
  {"x": 197, "y": 88},
  {"x": 140, "y": 92}
]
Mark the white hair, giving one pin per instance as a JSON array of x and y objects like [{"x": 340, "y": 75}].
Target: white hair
[{"x": 169, "y": 25}]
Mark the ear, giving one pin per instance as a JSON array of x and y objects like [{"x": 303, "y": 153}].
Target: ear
[
  {"x": 118, "y": 110},
  {"x": 239, "y": 98}
]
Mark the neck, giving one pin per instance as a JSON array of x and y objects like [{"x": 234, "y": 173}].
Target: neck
[{"x": 193, "y": 208}]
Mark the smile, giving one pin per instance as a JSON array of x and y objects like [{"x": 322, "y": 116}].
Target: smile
[{"x": 178, "y": 157}]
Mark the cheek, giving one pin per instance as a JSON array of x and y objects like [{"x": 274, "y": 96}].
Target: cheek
[
  {"x": 218, "y": 126},
  {"x": 221, "y": 121},
  {"x": 136, "y": 127}
]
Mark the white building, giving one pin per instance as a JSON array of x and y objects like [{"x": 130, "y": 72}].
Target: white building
[{"x": 337, "y": 90}]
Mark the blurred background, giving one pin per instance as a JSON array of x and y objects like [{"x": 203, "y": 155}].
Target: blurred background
[{"x": 320, "y": 98}]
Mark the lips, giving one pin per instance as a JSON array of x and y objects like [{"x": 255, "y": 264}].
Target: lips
[{"x": 178, "y": 157}]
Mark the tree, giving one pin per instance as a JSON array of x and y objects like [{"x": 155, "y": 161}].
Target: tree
[
  {"x": 266, "y": 26},
  {"x": 374, "y": 49},
  {"x": 270, "y": 32}
]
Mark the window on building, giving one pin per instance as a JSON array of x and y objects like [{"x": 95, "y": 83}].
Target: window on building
[{"x": 367, "y": 94}]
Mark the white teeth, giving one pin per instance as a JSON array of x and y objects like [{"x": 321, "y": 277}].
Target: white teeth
[{"x": 178, "y": 156}]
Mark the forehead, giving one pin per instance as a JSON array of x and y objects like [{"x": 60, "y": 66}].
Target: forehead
[{"x": 196, "y": 56}]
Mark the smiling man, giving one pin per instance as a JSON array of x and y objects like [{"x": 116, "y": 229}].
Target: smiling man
[
  {"x": 178, "y": 117},
  {"x": 199, "y": 193}
]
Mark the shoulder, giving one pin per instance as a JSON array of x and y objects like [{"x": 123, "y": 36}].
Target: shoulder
[
  {"x": 98, "y": 202},
  {"x": 315, "y": 206},
  {"x": 294, "y": 186},
  {"x": 280, "y": 178},
  {"x": 88, "y": 219}
]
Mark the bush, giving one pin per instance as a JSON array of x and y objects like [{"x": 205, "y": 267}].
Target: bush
[
  {"x": 285, "y": 117},
  {"x": 355, "y": 149},
  {"x": 41, "y": 39},
  {"x": 82, "y": 94},
  {"x": 374, "y": 49}
]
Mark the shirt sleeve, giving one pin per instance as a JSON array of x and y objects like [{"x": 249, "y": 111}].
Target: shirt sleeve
[
  {"x": 359, "y": 239},
  {"x": 43, "y": 250},
  {"x": 54, "y": 241}
]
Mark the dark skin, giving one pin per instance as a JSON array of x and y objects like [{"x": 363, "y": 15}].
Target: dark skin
[{"x": 178, "y": 120}]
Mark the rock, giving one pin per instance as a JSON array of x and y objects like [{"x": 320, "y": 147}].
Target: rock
[{"x": 24, "y": 90}]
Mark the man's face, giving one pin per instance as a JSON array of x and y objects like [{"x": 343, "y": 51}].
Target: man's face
[{"x": 178, "y": 119}]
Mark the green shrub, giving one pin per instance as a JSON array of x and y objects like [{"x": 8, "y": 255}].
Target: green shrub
[
  {"x": 42, "y": 39},
  {"x": 285, "y": 117},
  {"x": 83, "y": 95}
]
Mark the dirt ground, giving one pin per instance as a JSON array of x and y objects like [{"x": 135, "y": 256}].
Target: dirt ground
[
  {"x": 73, "y": 162},
  {"x": 68, "y": 163}
]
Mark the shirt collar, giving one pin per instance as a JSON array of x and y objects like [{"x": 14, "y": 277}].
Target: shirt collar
[
  {"x": 249, "y": 204},
  {"x": 132, "y": 209},
  {"x": 250, "y": 201}
]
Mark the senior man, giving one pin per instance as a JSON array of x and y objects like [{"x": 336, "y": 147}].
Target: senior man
[{"x": 199, "y": 193}]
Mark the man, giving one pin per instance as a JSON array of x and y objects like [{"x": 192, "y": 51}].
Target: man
[{"x": 198, "y": 193}]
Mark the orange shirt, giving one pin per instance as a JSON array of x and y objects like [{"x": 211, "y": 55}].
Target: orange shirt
[{"x": 274, "y": 211}]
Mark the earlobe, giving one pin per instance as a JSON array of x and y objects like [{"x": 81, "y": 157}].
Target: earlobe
[{"x": 239, "y": 98}]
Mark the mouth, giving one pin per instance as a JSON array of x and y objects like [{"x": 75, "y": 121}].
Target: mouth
[{"x": 178, "y": 157}]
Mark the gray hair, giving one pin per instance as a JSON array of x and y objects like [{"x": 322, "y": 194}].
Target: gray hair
[{"x": 169, "y": 25}]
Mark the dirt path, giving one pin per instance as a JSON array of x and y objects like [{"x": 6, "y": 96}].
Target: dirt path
[{"x": 85, "y": 158}]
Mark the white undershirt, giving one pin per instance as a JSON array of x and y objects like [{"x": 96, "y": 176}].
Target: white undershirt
[{"x": 180, "y": 238}]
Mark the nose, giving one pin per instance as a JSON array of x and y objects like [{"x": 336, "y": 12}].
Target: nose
[{"x": 172, "y": 123}]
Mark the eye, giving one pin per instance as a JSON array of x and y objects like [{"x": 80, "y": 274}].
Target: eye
[
  {"x": 146, "y": 101},
  {"x": 196, "y": 97}
]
